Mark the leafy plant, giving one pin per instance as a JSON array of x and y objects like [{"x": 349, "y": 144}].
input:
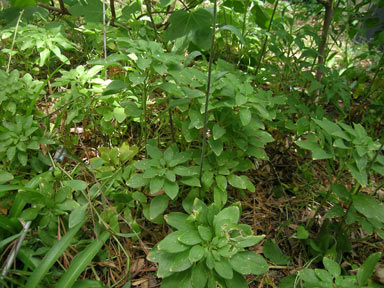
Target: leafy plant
[
  {"x": 331, "y": 276},
  {"x": 208, "y": 249}
]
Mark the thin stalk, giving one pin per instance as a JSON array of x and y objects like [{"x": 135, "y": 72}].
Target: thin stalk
[
  {"x": 14, "y": 39},
  {"x": 149, "y": 12},
  {"x": 105, "y": 39},
  {"x": 374, "y": 78},
  {"x": 144, "y": 131},
  {"x": 266, "y": 38},
  {"x": 211, "y": 54},
  {"x": 245, "y": 18}
]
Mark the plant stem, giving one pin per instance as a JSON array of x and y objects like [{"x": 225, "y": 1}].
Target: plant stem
[
  {"x": 324, "y": 36},
  {"x": 14, "y": 39},
  {"x": 211, "y": 54},
  {"x": 266, "y": 38}
]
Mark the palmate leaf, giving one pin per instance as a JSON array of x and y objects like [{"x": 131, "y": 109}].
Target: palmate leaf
[
  {"x": 92, "y": 11},
  {"x": 183, "y": 22},
  {"x": 23, "y": 3}
]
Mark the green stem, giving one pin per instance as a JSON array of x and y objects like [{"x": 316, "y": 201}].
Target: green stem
[
  {"x": 266, "y": 38},
  {"x": 211, "y": 55},
  {"x": 14, "y": 40}
]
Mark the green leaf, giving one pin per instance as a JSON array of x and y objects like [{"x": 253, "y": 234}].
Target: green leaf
[
  {"x": 137, "y": 181},
  {"x": 5, "y": 177},
  {"x": 190, "y": 237},
  {"x": 332, "y": 266},
  {"x": 199, "y": 275},
  {"x": 81, "y": 261},
  {"x": 183, "y": 22},
  {"x": 77, "y": 216},
  {"x": 235, "y": 31},
  {"x": 184, "y": 171},
  {"x": 52, "y": 255},
  {"x": 171, "y": 189},
  {"x": 166, "y": 3},
  {"x": 154, "y": 151},
  {"x": 217, "y": 131},
  {"x": 216, "y": 146},
  {"x": 224, "y": 269},
  {"x": 236, "y": 181},
  {"x": 29, "y": 214},
  {"x": 158, "y": 205},
  {"x": 248, "y": 262},
  {"x": 309, "y": 276},
  {"x": 221, "y": 182},
  {"x": 341, "y": 191},
  {"x": 156, "y": 184},
  {"x": 92, "y": 10},
  {"x": 205, "y": 233},
  {"x": 191, "y": 181},
  {"x": 369, "y": 206},
  {"x": 11, "y": 152},
  {"x": 237, "y": 281},
  {"x": 196, "y": 253},
  {"x": 366, "y": 270},
  {"x": 178, "y": 220},
  {"x": 119, "y": 114},
  {"x": 245, "y": 116},
  {"x": 77, "y": 185},
  {"x": 23, "y": 158},
  {"x": 23, "y": 3},
  {"x": 273, "y": 253},
  {"x": 302, "y": 233},
  {"x": 171, "y": 244},
  {"x": 180, "y": 262}
]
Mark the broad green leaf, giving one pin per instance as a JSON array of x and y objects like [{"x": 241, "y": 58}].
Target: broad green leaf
[
  {"x": 77, "y": 185},
  {"x": 341, "y": 191},
  {"x": 180, "y": 262},
  {"x": 77, "y": 216},
  {"x": 366, "y": 270},
  {"x": 205, "y": 232},
  {"x": 224, "y": 269},
  {"x": 137, "y": 181},
  {"x": 119, "y": 114},
  {"x": 236, "y": 181},
  {"x": 183, "y": 22},
  {"x": 5, "y": 177},
  {"x": 190, "y": 237},
  {"x": 332, "y": 266},
  {"x": 221, "y": 182},
  {"x": 217, "y": 131},
  {"x": 191, "y": 181},
  {"x": 248, "y": 262},
  {"x": 199, "y": 275},
  {"x": 29, "y": 214},
  {"x": 237, "y": 281},
  {"x": 273, "y": 253},
  {"x": 196, "y": 253},
  {"x": 230, "y": 215},
  {"x": 156, "y": 184},
  {"x": 178, "y": 220},
  {"x": 216, "y": 146},
  {"x": 154, "y": 151},
  {"x": 245, "y": 116},
  {"x": 235, "y": 31},
  {"x": 171, "y": 244},
  {"x": 302, "y": 233},
  {"x": 158, "y": 205},
  {"x": 309, "y": 276},
  {"x": 171, "y": 189},
  {"x": 369, "y": 206},
  {"x": 22, "y": 3},
  {"x": 91, "y": 10}
]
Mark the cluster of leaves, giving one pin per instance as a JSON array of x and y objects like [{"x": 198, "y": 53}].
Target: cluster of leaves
[{"x": 207, "y": 250}]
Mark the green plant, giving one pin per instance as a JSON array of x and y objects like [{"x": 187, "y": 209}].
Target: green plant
[
  {"x": 331, "y": 276},
  {"x": 208, "y": 249},
  {"x": 161, "y": 173}
]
